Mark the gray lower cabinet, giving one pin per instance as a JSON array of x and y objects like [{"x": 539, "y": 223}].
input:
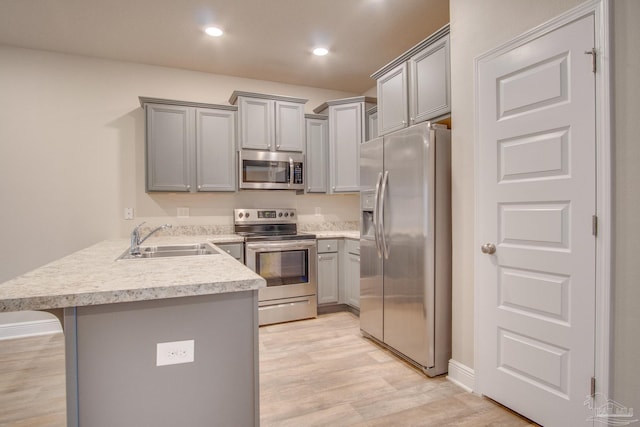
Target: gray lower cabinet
[
  {"x": 189, "y": 148},
  {"x": 352, "y": 273},
  {"x": 328, "y": 270},
  {"x": 120, "y": 382},
  {"x": 317, "y": 136},
  {"x": 236, "y": 250}
]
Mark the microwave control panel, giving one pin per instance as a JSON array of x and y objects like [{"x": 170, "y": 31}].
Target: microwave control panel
[{"x": 297, "y": 173}]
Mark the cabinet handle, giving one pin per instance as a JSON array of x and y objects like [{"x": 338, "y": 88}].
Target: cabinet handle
[
  {"x": 188, "y": 187},
  {"x": 199, "y": 187},
  {"x": 278, "y": 146}
]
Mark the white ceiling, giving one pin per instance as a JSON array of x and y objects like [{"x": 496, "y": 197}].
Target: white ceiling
[{"x": 264, "y": 39}]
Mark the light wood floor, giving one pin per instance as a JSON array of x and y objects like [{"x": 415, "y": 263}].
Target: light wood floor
[
  {"x": 322, "y": 372},
  {"x": 32, "y": 381},
  {"x": 318, "y": 372}
]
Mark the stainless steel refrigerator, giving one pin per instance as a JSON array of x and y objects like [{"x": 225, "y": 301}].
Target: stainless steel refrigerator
[{"x": 405, "y": 245}]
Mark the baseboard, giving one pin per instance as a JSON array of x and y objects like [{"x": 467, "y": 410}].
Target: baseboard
[
  {"x": 336, "y": 308},
  {"x": 461, "y": 375},
  {"x": 29, "y": 328}
]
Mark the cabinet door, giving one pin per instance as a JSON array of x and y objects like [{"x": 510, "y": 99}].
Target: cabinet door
[
  {"x": 317, "y": 152},
  {"x": 392, "y": 100},
  {"x": 328, "y": 278},
  {"x": 429, "y": 90},
  {"x": 170, "y": 147},
  {"x": 289, "y": 126},
  {"x": 353, "y": 280},
  {"x": 215, "y": 150},
  {"x": 256, "y": 123},
  {"x": 345, "y": 137},
  {"x": 372, "y": 125}
]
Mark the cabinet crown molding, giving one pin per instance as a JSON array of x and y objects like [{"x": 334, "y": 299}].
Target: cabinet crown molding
[
  {"x": 316, "y": 116},
  {"x": 148, "y": 100},
  {"x": 365, "y": 99},
  {"x": 237, "y": 93},
  {"x": 409, "y": 53}
]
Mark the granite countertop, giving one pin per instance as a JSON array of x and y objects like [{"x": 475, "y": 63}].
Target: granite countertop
[
  {"x": 337, "y": 234},
  {"x": 93, "y": 276}
]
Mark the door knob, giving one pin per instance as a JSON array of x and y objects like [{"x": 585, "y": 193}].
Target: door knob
[{"x": 488, "y": 248}]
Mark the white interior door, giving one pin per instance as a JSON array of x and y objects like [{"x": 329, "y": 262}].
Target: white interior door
[{"x": 537, "y": 198}]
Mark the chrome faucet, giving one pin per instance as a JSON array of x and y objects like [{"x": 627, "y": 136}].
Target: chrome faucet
[{"x": 136, "y": 241}]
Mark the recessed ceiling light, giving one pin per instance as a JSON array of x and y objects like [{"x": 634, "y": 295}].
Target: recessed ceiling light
[
  {"x": 320, "y": 51},
  {"x": 214, "y": 31}
]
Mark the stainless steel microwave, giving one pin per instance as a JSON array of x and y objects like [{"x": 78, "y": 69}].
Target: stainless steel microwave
[{"x": 268, "y": 170}]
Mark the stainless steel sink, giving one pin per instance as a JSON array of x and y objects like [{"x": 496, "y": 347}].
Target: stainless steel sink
[{"x": 171, "y": 251}]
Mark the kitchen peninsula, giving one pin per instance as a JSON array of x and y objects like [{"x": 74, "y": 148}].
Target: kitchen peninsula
[{"x": 117, "y": 312}]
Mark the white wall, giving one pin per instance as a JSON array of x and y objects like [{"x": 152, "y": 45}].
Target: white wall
[
  {"x": 477, "y": 27},
  {"x": 72, "y": 147}
]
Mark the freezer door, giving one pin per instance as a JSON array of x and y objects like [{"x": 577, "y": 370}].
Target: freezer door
[
  {"x": 408, "y": 230},
  {"x": 371, "y": 277}
]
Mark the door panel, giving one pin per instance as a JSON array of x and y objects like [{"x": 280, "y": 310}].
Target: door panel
[
  {"x": 408, "y": 223},
  {"x": 371, "y": 272},
  {"x": 536, "y": 133}
]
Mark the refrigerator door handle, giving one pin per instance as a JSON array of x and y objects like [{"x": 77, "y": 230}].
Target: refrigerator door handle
[
  {"x": 376, "y": 210},
  {"x": 383, "y": 190}
]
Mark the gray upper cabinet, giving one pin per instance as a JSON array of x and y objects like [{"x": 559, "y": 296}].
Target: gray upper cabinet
[
  {"x": 346, "y": 132},
  {"x": 270, "y": 122},
  {"x": 215, "y": 149},
  {"x": 189, "y": 146},
  {"x": 170, "y": 146},
  {"x": 415, "y": 87},
  {"x": 392, "y": 98},
  {"x": 429, "y": 83},
  {"x": 317, "y": 153},
  {"x": 372, "y": 123}
]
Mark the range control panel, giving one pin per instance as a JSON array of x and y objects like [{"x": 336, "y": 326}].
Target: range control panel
[{"x": 264, "y": 216}]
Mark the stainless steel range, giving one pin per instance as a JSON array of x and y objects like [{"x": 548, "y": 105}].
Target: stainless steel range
[{"x": 285, "y": 258}]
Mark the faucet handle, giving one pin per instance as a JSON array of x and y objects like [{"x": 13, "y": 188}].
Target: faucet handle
[{"x": 138, "y": 226}]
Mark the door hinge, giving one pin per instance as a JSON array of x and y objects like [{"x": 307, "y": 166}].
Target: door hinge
[
  {"x": 593, "y": 386},
  {"x": 592, "y": 52},
  {"x": 594, "y": 225}
]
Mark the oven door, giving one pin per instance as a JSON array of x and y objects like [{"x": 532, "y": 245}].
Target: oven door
[{"x": 289, "y": 267}]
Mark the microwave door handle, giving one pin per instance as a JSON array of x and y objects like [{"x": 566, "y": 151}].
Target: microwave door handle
[{"x": 290, "y": 171}]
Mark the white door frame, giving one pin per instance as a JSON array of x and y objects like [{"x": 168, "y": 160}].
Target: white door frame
[{"x": 601, "y": 10}]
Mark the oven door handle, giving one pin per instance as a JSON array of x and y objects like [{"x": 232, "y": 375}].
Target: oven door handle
[{"x": 288, "y": 246}]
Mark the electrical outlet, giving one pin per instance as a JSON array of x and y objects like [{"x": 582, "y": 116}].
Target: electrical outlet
[
  {"x": 128, "y": 213},
  {"x": 183, "y": 212},
  {"x": 175, "y": 352}
]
